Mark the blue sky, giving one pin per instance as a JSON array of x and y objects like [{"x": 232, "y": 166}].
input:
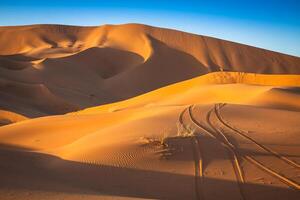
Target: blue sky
[{"x": 270, "y": 24}]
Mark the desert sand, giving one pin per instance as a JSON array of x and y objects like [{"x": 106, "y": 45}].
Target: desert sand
[{"x": 139, "y": 112}]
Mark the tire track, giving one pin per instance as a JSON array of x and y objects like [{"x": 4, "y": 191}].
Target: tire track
[
  {"x": 198, "y": 167},
  {"x": 283, "y": 179},
  {"x": 239, "y": 132},
  {"x": 198, "y": 160},
  {"x": 258, "y": 164},
  {"x": 235, "y": 162}
]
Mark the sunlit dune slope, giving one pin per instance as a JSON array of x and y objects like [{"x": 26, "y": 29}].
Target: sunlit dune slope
[
  {"x": 7, "y": 117},
  {"x": 55, "y": 69},
  {"x": 131, "y": 148},
  {"x": 236, "y": 88},
  {"x": 230, "y": 87},
  {"x": 133, "y": 111}
]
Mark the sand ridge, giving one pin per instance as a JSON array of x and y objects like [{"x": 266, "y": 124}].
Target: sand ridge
[
  {"x": 139, "y": 112},
  {"x": 61, "y": 59}
]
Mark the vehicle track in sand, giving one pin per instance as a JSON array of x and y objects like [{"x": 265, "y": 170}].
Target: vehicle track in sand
[
  {"x": 244, "y": 135},
  {"x": 232, "y": 154},
  {"x": 225, "y": 141},
  {"x": 198, "y": 160},
  {"x": 283, "y": 178}
]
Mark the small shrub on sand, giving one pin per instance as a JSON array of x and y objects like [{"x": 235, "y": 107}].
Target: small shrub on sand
[{"x": 185, "y": 131}]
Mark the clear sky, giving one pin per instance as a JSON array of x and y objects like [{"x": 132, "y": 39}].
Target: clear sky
[{"x": 270, "y": 24}]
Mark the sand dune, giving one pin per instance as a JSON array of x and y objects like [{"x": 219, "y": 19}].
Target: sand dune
[
  {"x": 7, "y": 117},
  {"x": 62, "y": 59},
  {"x": 138, "y": 112},
  {"x": 153, "y": 133}
]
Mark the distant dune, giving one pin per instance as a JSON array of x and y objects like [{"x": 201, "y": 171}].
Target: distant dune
[
  {"x": 139, "y": 112},
  {"x": 55, "y": 69}
]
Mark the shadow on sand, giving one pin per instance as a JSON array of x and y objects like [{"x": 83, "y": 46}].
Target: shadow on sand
[{"x": 21, "y": 169}]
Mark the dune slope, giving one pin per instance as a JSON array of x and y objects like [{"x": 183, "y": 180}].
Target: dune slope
[
  {"x": 176, "y": 142},
  {"x": 79, "y": 67},
  {"x": 138, "y": 112}
]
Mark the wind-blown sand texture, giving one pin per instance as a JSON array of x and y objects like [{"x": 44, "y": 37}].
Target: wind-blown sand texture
[{"x": 133, "y": 111}]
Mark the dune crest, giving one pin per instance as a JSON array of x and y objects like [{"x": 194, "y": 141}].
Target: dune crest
[
  {"x": 61, "y": 58},
  {"x": 133, "y": 111}
]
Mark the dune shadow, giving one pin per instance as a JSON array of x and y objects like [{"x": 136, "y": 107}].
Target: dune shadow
[
  {"x": 292, "y": 90},
  {"x": 20, "y": 169},
  {"x": 95, "y": 75}
]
